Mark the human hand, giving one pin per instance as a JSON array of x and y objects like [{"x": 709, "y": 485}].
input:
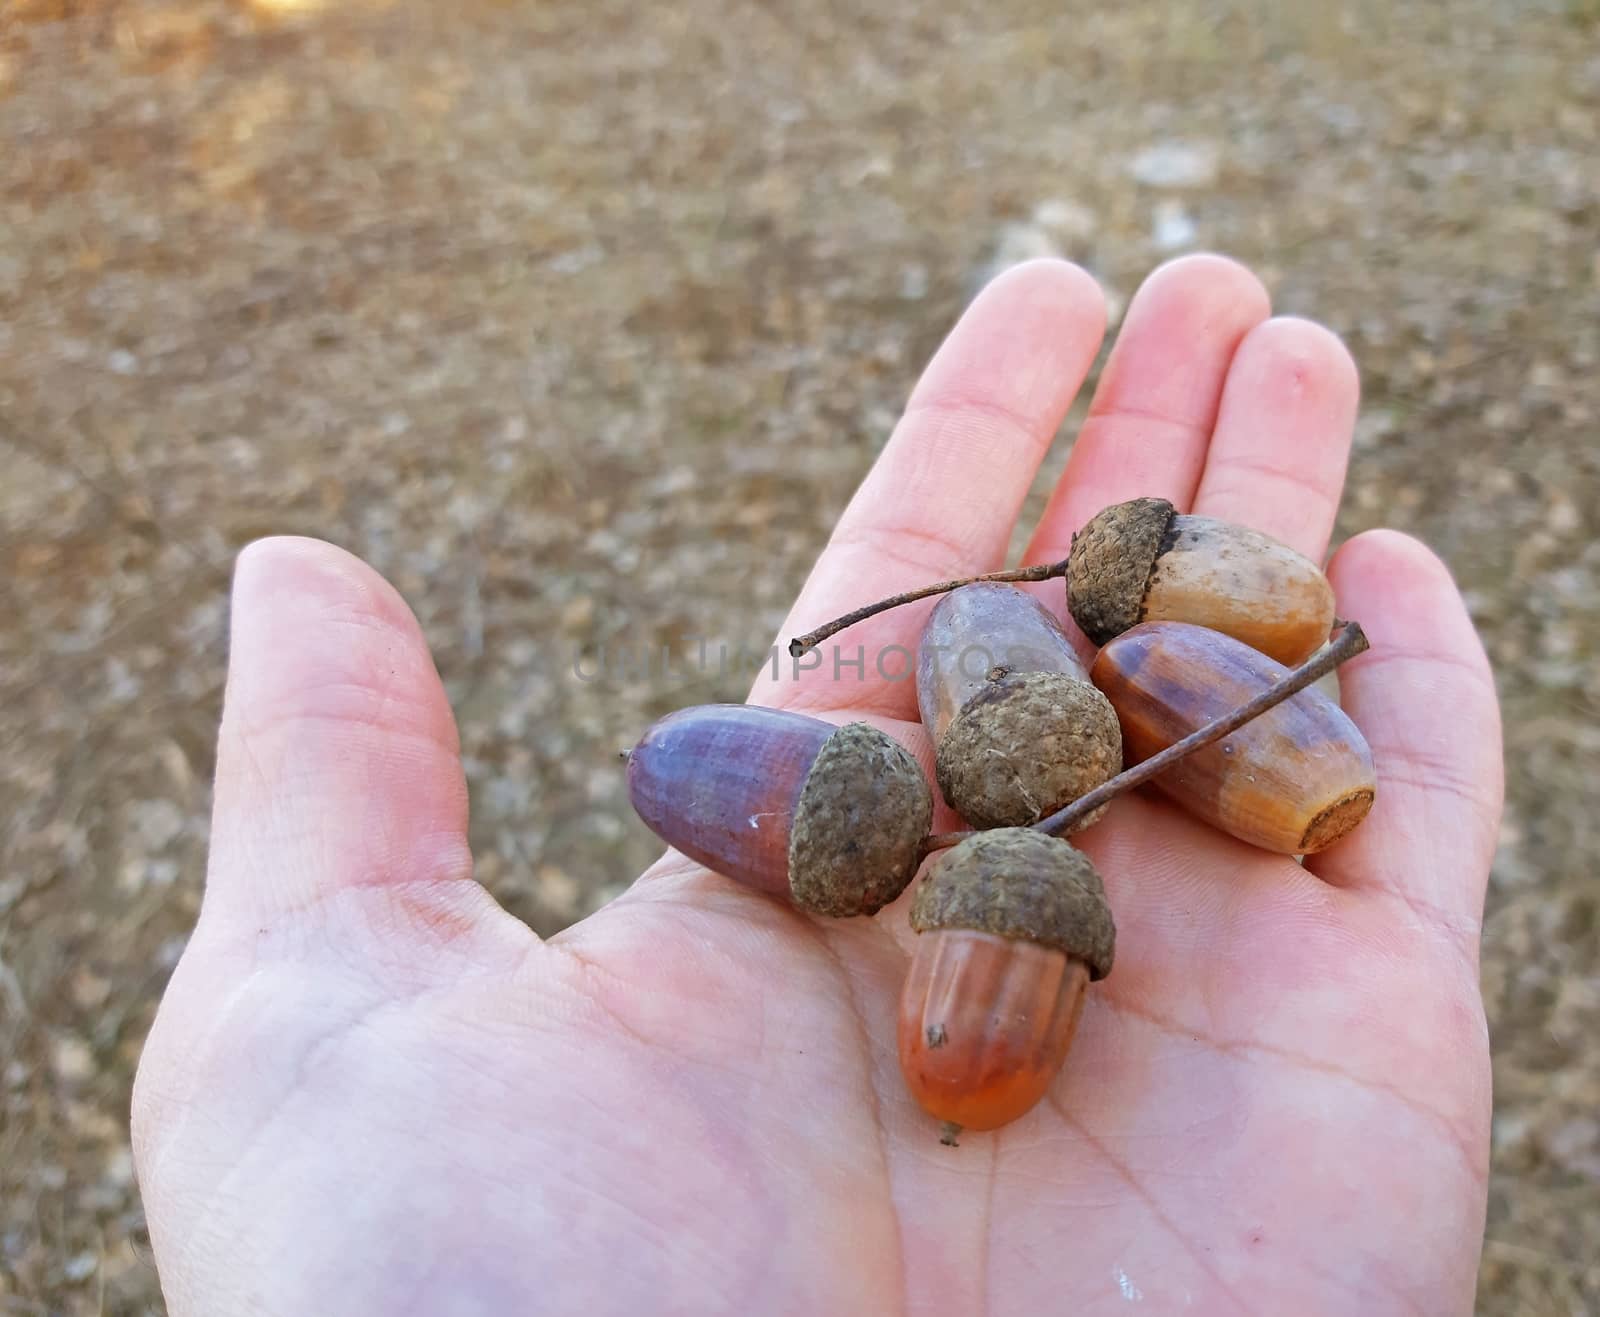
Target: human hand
[{"x": 371, "y": 1091}]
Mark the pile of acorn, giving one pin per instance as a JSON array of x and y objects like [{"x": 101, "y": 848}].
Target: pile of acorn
[{"x": 1196, "y": 619}]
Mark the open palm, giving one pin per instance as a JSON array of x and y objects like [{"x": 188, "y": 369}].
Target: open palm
[{"x": 370, "y": 1091}]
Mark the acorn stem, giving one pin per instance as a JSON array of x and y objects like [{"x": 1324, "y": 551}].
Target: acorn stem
[
  {"x": 801, "y": 645},
  {"x": 1351, "y": 641}
]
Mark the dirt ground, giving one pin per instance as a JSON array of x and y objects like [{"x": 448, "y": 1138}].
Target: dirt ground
[{"x": 582, "y": 320}]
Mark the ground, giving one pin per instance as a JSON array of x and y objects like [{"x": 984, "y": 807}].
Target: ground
[{"x": 582, "y": 320}]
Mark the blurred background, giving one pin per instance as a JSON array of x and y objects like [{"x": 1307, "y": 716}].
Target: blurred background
[{"x": 582, "y": 320}]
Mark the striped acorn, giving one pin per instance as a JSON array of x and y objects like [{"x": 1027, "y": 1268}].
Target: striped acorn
[
  {"x": 1295, "y": 779},
  {"x": 830, "y": 818},
  {"x": 1012, "y": 926}
]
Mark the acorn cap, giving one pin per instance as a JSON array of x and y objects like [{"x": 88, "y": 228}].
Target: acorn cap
[
  {"x": 1108, "y": 569},
  {"x": 858, "y": 827},
  {"x": 1025, "y": 745},
  {"x": 1021, "y": 884}
]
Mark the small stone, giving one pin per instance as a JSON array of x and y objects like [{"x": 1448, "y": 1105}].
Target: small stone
[
  {"x": 138, "y": 873},
  {"x": 1510, "y": 1130},
  {"x": 80, "y": 1266},
  {"x": 119, "y": 1167},
  {"x": 603, "y": 827},
  {"x": 1564, "y": 516},
  {"x": 177, "y": 765},
  {"x": 170, "y": 951},
  {"x": 1116, "y": 304},
  {"x": 1176, "y": 164},
  {"x": 1546, "y": 377},
  {"x": 1067, "y": 221},
  {"x": 1374, "y": 426},
  {"x": 73, "y": 1060},
  {"x": 158, "y": 822},
  {"x": 611, "y": 546},
  {"x": 1019, "y": 242},
  {"x": 90, "y": 1124},
  {"x": 578, "y": 613},
  {"x": 122, "y": 686},
  {"x": 122, "y": 362},
  {"x": 89, "y": 990},
  {"x": 1172, "y": 227},
  {"x": 677, "y": 480},
  {"x": 576, "y": 259},
  {"x": 874, "y": 166},
  {"x": 1575, "y": 1146},
  {"x": 558, "y": 889}
]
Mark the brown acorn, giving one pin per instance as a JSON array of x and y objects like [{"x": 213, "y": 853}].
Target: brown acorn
[
  {"x": 1293, "y": 780},
  {"x": 830, "y": 818},
  {"x": 1018, "y": 728},
  {"x": 1012, "y": 926},
  {"x": 1143, "y": 561}
]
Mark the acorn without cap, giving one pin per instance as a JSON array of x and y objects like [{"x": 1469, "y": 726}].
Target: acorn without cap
[
  {"x": 831, "y": 818},
  {"x": 1143, "y": 561},
  {"x": 1013, "y": 925},
  {"x": 1018, "y": 728},
  {"x": 1294, "y": 780}
]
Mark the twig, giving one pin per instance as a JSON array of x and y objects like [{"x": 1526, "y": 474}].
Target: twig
[{"x": 1044, "y": 571}]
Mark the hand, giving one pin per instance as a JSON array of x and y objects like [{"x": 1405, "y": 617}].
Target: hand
[{"x": 370, "y": 1091}]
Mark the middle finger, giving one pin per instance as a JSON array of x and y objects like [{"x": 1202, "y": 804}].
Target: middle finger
[{"x": 1157, "y": 401}]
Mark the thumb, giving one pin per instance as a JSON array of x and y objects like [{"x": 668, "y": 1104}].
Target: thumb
[{"x": 338, "y": 763}]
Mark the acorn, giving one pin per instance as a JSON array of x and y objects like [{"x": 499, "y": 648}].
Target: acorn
[
  {"x": 829, "y": 818},
  {"x": 1143, "y": 561},
  {"x": 1018, "y": 728},
  {"x": 1294, "y": 780},
  {"x": 1012, "y": 927}
]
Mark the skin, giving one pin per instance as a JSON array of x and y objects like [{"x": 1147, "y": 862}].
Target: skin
[{"x": 371, "y": 1091}]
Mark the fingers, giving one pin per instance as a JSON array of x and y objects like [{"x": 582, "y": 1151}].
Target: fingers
[
  {"x": 1282, "y": 438},
  {"x": 941, "y": 500},
  {"x": 337, "y": 763},
  {"x": 1152, "y": 415},
  {"x": 1424, "y": 698}
]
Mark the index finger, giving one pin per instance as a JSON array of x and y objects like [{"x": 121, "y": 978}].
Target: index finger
[{"x": 941, "y": 500}]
